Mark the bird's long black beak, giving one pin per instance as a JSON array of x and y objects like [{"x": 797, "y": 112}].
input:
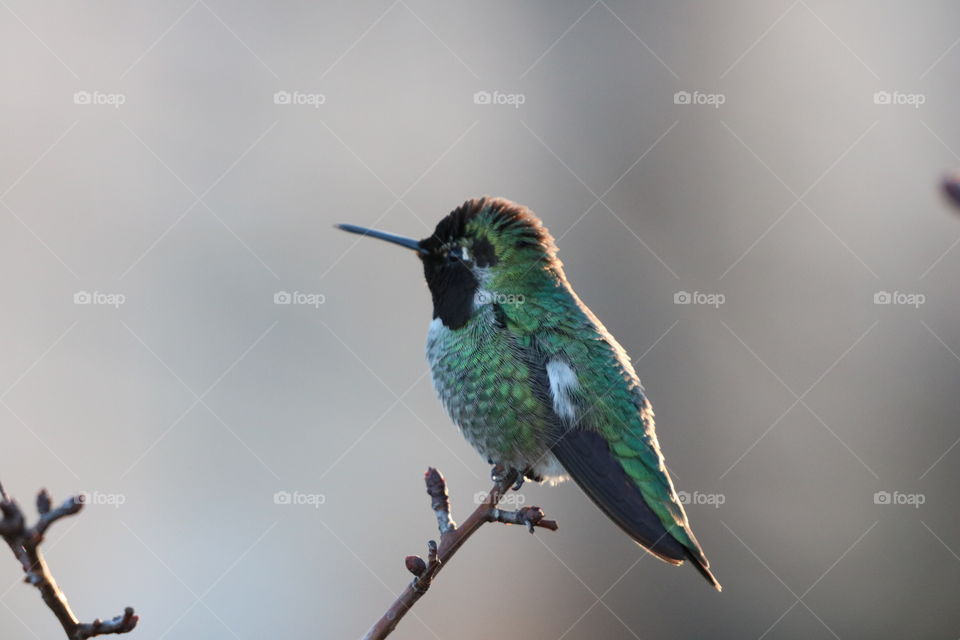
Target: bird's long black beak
[{"x": 409, "y": 243}]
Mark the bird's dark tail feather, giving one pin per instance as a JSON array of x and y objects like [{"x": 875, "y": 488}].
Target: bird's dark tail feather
[
  {"x": 587, "y": 458},
  {"x": 704, "y": 570}
]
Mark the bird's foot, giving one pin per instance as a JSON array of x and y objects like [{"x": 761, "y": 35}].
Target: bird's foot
[
  {"x": 526, "y": 474},
  {"x": 506, "y": 476}
]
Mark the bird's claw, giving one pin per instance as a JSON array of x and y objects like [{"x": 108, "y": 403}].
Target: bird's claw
[{"x": 506, "y": 477}]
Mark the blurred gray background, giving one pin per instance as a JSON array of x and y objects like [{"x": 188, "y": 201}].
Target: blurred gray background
[{"x": 148, "y": 154}]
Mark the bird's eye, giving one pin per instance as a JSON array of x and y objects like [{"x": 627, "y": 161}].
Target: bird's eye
[{"x": 457, "y": 254}]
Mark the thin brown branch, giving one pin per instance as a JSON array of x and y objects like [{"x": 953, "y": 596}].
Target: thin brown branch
[
  {"x": 452, "y": 537},
  {"x": 951, "y": 186},
  {"x": 25, "y": 543}
]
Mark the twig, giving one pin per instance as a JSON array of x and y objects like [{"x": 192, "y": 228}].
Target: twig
[
  {"x": 951, "y": 186},
  {"x": 452, "y": 538},
  {"x": 25, "y": 542}
]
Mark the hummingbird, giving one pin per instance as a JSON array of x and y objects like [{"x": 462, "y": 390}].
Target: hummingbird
[{"x": 533, "y": 379}]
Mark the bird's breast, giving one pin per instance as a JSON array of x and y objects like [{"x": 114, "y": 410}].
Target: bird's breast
[{"x": 487, "y": 386}]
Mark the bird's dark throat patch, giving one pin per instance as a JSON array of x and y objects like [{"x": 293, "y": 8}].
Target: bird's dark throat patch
[{"x": 452, "y": 287}]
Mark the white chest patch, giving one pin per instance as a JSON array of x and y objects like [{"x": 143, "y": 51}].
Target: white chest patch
[
  {"x": 435, "y": 337},
  {"x": 482, "y": 296},
  {"x": 563, "y": 381}
]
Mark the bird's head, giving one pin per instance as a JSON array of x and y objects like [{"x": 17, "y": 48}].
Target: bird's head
[{"x": 487, "y": 251}]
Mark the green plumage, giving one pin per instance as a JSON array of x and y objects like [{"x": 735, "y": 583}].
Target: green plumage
[{"x": 536, "y": 382}]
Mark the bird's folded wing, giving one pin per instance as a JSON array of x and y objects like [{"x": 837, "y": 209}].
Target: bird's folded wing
[{"x": 586, "y": 456}]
